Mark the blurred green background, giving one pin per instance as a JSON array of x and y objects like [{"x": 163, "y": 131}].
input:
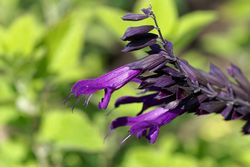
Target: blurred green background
[{"x": 47, "y": 45}]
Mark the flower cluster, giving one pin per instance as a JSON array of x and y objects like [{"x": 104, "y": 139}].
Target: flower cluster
[{"x": 173, "y": 86}]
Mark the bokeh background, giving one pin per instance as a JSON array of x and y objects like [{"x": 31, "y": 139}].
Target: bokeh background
[{"x": 47, "y": 45}]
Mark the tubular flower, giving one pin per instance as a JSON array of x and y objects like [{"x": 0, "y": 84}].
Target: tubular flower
[
  {"x": 172, "y": 85},
  {"x": 109, "y": 82},
  {"x": 147, "y": 124},
  {"x": 117, "y": 78}
]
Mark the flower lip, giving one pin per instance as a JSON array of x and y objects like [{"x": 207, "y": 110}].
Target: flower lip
[
  {"x": 151, "y": 121},
  {"x": 109, "y": 82}
]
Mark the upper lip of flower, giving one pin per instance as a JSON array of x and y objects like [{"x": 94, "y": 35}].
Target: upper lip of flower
[
  {"x": 110, "y": 82},
  {"x": 117, "y": 78}
]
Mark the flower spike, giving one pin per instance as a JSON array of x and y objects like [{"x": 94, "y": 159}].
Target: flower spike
[{"x": 172, "y": 86}]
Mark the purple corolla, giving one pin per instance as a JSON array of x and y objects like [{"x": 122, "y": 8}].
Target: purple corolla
[
  {"x": 147, "y": 124},
  {"x": 110, "y": 82}
]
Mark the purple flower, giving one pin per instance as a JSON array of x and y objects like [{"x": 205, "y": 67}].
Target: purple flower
[
  {"x": 171, "y": 84},
  {"x": 148, "y": 124},
  {"x": 117, "y": 78},
  {"x": 110, "y": 82}
]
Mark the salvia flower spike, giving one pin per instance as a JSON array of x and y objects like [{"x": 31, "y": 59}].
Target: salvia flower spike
[{"x": 172, "y": 85}]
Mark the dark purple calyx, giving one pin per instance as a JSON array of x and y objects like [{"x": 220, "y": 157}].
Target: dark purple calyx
[
  {"x": 134, "y": 17},
  {"x": 143, "y": 41},
  {"x": 136, "y": 32}
]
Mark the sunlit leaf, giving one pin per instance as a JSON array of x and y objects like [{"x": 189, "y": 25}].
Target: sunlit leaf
[
  {"x": 69, "y": 130},
  {"x": 2, "y": 37},
  {"x": 22, "y": 36},
  {"x": 6, "y": 91},
  {"x": 8, "y": 8},
  {"x": 111, "y": 18},
  {"x": 7, "y": 113},
  {"x": 190, "y": 25},
  {"x": 65, "y": 43},
  {"x": 220, "y": 44},
  {"x": 197, "y": 60},
  {"x": 158, "y": 156},
  {"x": 12, "y": 153}
]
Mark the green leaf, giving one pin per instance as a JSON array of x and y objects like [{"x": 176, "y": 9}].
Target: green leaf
[
  {"x": 8, "y": 10},
  {"x": 190, "y": 26},
  {"x": 163, "y": 156},
  {"x": 65, "y": 43},
  {"x": 166, "y": 14},
  {"x": 12, "y": 153},
  {"x": 69, "y": 130},
  {"x": 22, "y": 36},
  {"x": 220, "y": 44},
  {"x": 2, "y": 37},
  {"x": 237, "y": 11},
  {"x": 6, "y": 90},
  {"x": 7, "y": 113},
  {"x": 111, "y": 18},
  {"x": 197, "y": 60}
]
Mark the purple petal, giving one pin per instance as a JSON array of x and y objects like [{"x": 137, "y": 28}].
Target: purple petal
[
  {"x": 147, "y": 100},
  {"x": 110, "y": 82},
  {"x": 129, "y": 121},
  {"x": 117, "y": 78},
  {"x": 84, "y": 87},
  {"x": 138, "y": 129},
  {"x": 133, "y": 32},
  {"x": 149, "y": 121},
  {"x": 153, "y": 134},
  {"x": 122, "y": 121},
  {"x": 134, "y": 17},
  {"x": 105, "y": 100},
  {"x": 132, "y": 99}
]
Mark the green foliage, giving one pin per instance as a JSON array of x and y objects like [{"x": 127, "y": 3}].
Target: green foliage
[
  {"x": 162, "y": 155},
  {"x": 46, "y": 45},
  {"x": 111, "y": 18},
  {"x": 65, "y": 43},
  {"x": 15, "y": 43},
  {"x": 190, "y": 25},
  {"x": 232, "y": 42},
  {"x": 78, "y": 133}
]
